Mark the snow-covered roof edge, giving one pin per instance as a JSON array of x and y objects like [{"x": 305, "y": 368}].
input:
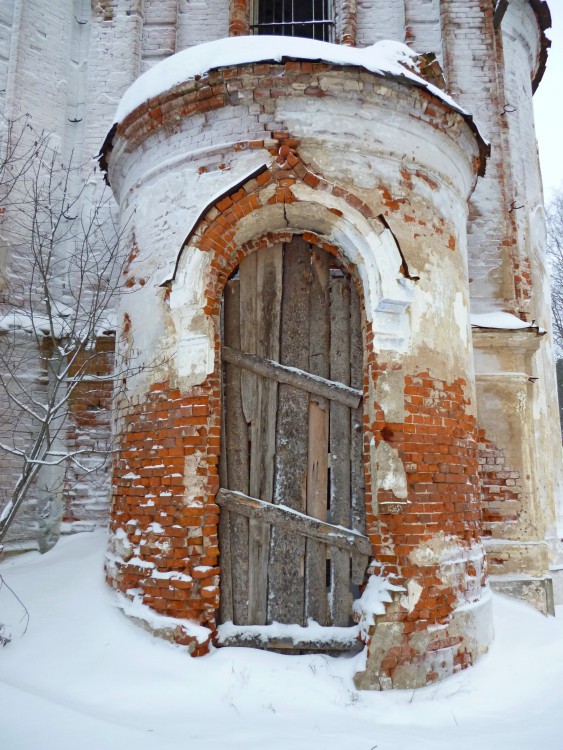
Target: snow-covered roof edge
[
  {"x": 504, "y": 321},
  {"x": 385, "y": 57},
  {"x": 388, "y": 59}
]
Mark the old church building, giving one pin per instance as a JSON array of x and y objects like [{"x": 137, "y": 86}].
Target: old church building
[{"x": 340, "y": 428}]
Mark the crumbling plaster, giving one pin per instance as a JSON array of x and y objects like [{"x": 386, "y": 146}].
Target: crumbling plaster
[{"x": 430, "y": 178}]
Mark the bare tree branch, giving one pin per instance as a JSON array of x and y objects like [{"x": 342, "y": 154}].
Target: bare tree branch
[{"x": 63, "y": 278}]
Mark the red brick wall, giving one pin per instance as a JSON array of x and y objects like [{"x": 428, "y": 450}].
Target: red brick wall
[
  {"x": 439, "y": 450},
  {"x": 260, "y": 83},
  {"x": 164, "y": 427},
  {"x": 437, "y": 442},
  {"x": 239, "y": 17},
  {"x": 89, "y": 428},
  {"x": 500, "y": 487}
]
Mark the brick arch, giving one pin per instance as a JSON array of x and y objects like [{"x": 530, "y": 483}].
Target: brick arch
[
  {"x": 230, "y": 227},
  {"x": 214, "y": 249},
  {"x": 263, "y": 241},
  {"x": 284, "y": 173}
]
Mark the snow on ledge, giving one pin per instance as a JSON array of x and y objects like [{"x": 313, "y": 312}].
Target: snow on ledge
[
  {"x": 386, "y": 58},
  {"x": 297, "y": 634},
  {"x": 502, "y": 321}
]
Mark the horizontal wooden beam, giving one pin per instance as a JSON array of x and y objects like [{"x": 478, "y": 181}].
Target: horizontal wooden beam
[
  {"x": 240, "y": 635},
  {"x": 267, "y": 368},
  {"x": 283, "y": 517}
]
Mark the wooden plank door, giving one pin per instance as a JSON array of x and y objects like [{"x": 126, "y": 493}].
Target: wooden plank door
[{"x": 292, "y": 528}]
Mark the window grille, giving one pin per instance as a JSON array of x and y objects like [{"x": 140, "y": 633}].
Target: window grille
[{"x": 312, "y": 19}]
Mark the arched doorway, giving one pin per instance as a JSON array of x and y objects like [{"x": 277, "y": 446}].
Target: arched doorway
[{"x": 292, "y": 531}]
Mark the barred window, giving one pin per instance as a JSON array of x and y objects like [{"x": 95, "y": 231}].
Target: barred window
[{"x": 312, "y": 19}]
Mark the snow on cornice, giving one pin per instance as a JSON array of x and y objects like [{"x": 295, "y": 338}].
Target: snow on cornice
[
  {"x": 503, "y": 321},
  {"x": 386, "y": 58}
]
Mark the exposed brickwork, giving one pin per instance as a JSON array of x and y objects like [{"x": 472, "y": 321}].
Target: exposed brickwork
[
  {"x": 171, "y": 525},
  {"x": 89, "y": 427},
  {"x": 243, "y": 87},
  {"x": 239, "y": 17},
  {"x": 216, "y": 231},
  {"x": 347, "y": 22},
  {"x": 437, "y": 443},
  {"x": 500, "y": 487}
]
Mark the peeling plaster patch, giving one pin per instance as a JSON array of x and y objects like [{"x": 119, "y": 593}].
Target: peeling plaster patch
[
  {"x": 195, "y": 359},
  {"x": 171, "y": 202},
  {"x": 439, "y": 318},
  {"x": 521, "y": 405},
  {"x": 377, "y": 593},
  {"x": 270, "y": 217},
  {"x": 460, "y": 315},
  {"x": 120, "y": 546},
  {"x": 310, "y": 217},
  {"x": 374, "y": 251},
  {"x": 424, "y": 303},
  {"x": 441, "y": 549},
  {"x": 389, "y": 394},
  {"x": 389, "y": 470},
  {"x": 194, "y": 330},
  {"x": 410, "y": 600},
  {"x": 195, "y": 483}
]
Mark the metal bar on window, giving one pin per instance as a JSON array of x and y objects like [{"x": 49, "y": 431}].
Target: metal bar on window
[{"x": 313, "y": 19}]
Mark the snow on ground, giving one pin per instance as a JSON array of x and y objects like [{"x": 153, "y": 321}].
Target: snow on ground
[{"x": 85, "y": 677}]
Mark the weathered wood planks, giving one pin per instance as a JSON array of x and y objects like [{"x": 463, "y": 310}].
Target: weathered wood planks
[
  {"x": 305, "y": 381},
  {"x": 316, "y": 605},
  {"x": 266, "y": 285},
  {"x": 357, "y": 475},
  {"x": 340, "y": 443},
  {"x": 328, "y": 533},
  {"x": 292, "y": 497},
  {"x": 286, "y": 589},
  {"x": 234, "y": 531},
  {"x": 324, "y": 642}
]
